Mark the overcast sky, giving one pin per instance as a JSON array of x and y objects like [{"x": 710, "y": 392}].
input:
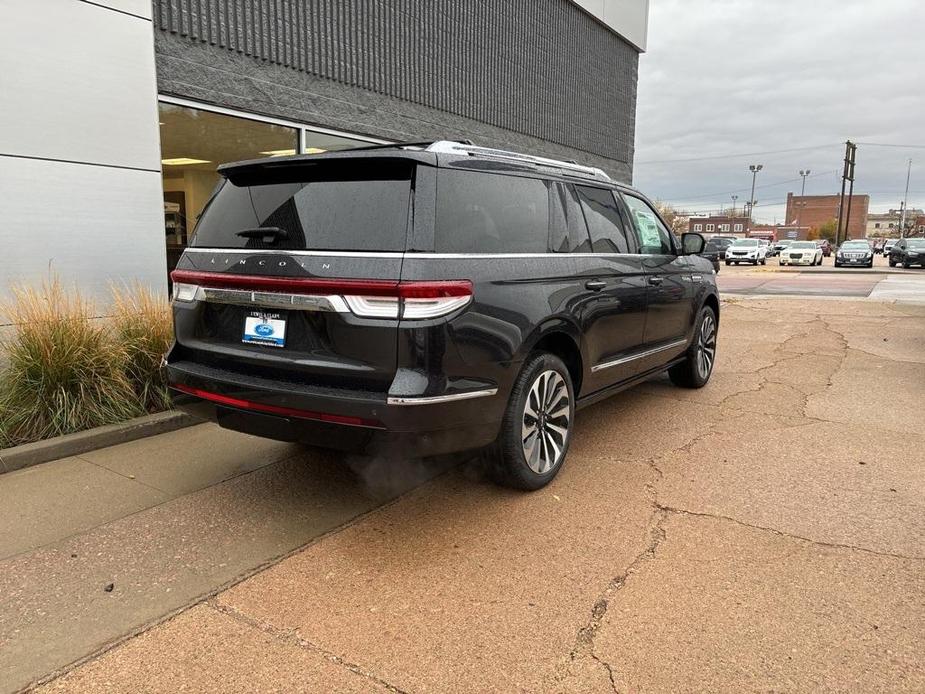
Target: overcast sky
[{"x": 732, "y": 77}]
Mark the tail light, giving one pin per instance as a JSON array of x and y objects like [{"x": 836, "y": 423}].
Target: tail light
[{"x": 410, "y": 300}]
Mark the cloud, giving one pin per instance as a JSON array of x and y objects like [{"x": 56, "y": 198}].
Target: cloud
[{"x": 734, "y": 76}]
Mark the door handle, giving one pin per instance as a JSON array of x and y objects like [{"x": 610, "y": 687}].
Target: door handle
[
  {"x": 595, "y": 285},
  {"x": 655, "y": 281}
]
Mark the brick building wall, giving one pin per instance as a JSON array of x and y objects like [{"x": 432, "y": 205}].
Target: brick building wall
[
  {"x": 542, "y": 76},
  {"x": 815, "y": 210},
  {"x": 719, "y": 225}
]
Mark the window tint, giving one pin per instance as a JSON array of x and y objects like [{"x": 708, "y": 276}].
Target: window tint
[
  {"x": 605, "y": 225},
  {"x": 490, "y": 213},
  {"x": 568, "y": 233},
  {"x": 321, "y": 214},
  {"x": 654, "y": 237}
]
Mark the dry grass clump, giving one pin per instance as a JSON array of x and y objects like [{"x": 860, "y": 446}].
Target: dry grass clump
[
  {"x": 144, "y": 329},
  {"x": 63, "y": 370}
]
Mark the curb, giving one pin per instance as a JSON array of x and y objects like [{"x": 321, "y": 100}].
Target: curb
[{"x": 29, "y": 454}]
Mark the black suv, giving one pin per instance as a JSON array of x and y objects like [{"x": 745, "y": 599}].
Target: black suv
[{"x": 422, "y": 299}]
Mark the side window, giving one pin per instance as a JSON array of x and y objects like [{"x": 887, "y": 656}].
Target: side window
[
  {"x": 605, "y": 225},
  {"x": 654, "y": 237},
  {"x": 490, "y": 213},
  {"x": 567, "y": 233}
]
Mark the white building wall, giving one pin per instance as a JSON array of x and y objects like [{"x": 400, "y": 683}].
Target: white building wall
[
  {"x": 80, "y": 179},
  {"x": 629, "y": 18}
]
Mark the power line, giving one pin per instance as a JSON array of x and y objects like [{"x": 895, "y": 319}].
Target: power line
[
  {"x": 890, "y": 144},
  {"x": 734, "y": 156},
  {"x": 745, "y": 190}
]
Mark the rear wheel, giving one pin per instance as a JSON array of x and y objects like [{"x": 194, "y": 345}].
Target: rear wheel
[
  {"x": 695, "y": 370},
  {"x": 537, "y": 426}
]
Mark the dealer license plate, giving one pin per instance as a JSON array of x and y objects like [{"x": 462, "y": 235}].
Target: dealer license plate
[{"x": 266, "y": 329}]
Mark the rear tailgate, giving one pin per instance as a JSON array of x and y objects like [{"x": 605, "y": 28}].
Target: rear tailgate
[{"x": 292, "y": 275}]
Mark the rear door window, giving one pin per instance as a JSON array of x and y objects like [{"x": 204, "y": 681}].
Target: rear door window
[
  {"x": 605, "y": 225},
  {"x": 337, "y": 210},
  {"x": 491, "y": 213}
]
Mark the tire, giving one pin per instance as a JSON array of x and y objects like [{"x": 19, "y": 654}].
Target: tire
[
  {"x": 892, "y": 264},
  {"x": 697, "y": 367},
  {"x": 906, "y": 265},
  {"x": 508, "y": 457},
  {"x": 728, "y": 263},
  {"x": 764, "y": 261}
]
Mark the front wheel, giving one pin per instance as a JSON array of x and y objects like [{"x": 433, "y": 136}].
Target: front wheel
[
  {"x": 764, "y": 261},
  {"x": 695, "y": 370},
  {"x": 537, "y": 425}
]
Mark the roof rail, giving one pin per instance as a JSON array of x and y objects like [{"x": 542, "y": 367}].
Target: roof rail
[{"x": 448, "y": 147}]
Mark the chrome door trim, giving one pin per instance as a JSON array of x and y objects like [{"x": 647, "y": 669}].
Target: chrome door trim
[
  {"x": 436, "y": 399},
  {"x": 640, "y": 355}
]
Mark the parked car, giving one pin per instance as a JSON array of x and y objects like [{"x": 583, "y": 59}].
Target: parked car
[
  {"x": 715, "y": 249},
  {"x": 421, "y": 299},
  {"x": 908, "y": 252},
  {"x": 857, "y": 252},
  {"x": 802, "y": 253},
  {"x": 747, "y": 251},
  {"x": 825, "y": 246},
  {"x": 888, "y": 246},
  {"x": 775, "y": 250}
]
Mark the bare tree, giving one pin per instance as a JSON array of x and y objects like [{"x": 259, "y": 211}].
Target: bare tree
[{"x": 677, "y": 220}]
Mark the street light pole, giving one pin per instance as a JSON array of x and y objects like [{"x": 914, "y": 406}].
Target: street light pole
[
  {"x": 754, "y": 168},
  {"x": 902, "y": 217},
  {"x": 734, "y": 198},
  {"x": 804, "y": 174}
]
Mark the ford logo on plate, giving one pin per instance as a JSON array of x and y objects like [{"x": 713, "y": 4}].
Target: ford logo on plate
[{"x": 264, "y": 330}]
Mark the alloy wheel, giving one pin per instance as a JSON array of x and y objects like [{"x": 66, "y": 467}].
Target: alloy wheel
[
  {"x": 546, "y": 422},
  {"x": 706, "y": 346}
]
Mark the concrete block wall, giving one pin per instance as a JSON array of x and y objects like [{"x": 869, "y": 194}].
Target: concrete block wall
[{"x": 536, "y": 75}]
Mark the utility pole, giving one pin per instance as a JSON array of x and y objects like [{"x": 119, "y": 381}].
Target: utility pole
[
  {"x": 902, "y": 216},
  {"x": 804, "y": 174},
  {"x": 734, "y": 198},
  {"x": 754, "y": 168},
  {"x": 848, "y": 175}
]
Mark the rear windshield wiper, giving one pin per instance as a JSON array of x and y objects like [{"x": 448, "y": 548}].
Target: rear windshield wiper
[{"x": 265, "y": 233}]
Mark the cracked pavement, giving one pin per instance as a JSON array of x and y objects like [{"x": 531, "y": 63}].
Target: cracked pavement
[{"x": 765, "y": 533}]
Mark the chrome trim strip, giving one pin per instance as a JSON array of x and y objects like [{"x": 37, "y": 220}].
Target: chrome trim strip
[
  {"x": 283, "y": 251},
  {"x": 298, "y": 302},
  {"x": 634, "y": 357},
  {"x": 436, "y": 399},
  {"x": 409, "y": 255}
]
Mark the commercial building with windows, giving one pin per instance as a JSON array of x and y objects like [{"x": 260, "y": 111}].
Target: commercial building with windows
[{"x": 116, "y": 113}]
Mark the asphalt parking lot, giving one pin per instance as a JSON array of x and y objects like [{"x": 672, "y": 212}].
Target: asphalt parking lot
[
  {"x": 880, "y": 283},
  {"x": 764, "y": 533}
]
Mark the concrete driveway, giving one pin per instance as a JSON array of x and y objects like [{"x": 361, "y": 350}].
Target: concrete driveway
[{"x": 766, "y": 533}]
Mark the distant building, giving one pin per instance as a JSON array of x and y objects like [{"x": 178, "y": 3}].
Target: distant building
[
  {"x": 815, "y": 210},
  {"x": 885, "y": 224},
  {"x": 719, "y": 225},
  {"x": 777, "y": 232}
]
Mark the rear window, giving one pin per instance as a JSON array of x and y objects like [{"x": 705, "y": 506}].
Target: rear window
[
  {"x": 490, "y": 213},
  {"x": 310, "y": 209}
]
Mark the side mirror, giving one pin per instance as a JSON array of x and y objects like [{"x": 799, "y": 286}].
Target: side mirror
[{"x": 692, "y": 244}]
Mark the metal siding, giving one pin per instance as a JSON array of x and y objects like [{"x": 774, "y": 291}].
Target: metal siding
[{"x": 542, "y": 68}]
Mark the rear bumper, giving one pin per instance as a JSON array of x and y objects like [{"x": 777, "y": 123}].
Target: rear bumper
[{"x": 356, "y": 421}]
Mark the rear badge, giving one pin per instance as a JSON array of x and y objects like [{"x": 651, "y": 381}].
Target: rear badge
[{"x": 266, "y": 329}]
